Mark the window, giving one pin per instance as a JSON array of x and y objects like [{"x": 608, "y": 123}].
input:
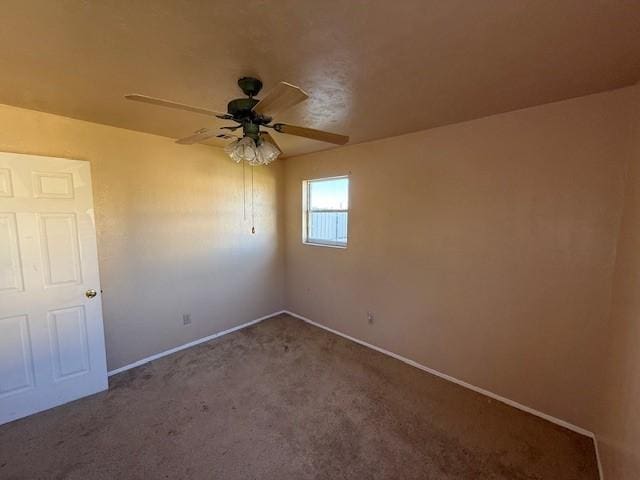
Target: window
[{"x": 325, "y": 210}]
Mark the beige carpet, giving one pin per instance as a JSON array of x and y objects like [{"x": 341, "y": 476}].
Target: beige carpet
[{"x": 285, "y": 400}]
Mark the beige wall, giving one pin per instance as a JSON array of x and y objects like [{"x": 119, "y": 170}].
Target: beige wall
[
  {"x": 485, "y": 249},
  {"x": 619, "y": 429},
  {"x": 171, "y": 234}
]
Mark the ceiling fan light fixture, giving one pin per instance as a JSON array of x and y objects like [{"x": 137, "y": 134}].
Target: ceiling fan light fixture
[{"x": 246, "y": 150}]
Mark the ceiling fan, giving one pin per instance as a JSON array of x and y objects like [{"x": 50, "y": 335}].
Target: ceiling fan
[{"x": 256, "y": 146}]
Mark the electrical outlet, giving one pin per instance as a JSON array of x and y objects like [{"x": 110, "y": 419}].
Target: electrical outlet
[
  {"x": 186, "y": 319},
  {"x": 370, "y": 317}
]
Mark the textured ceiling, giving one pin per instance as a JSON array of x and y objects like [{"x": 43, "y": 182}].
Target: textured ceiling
[{"x": 373, "y": 68}]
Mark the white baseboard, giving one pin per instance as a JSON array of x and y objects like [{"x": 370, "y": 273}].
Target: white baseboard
[
  {"x": 444, "y": 376},
  {"x": 495, "y": 396},
  {"x": 462, "y": 383},
  {"x": 191, "y": 344}
]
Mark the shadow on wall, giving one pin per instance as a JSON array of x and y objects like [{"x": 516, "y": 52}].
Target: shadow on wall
[
  {"x": 186, "y": 236},
  {"x": 619, "y": 430}
]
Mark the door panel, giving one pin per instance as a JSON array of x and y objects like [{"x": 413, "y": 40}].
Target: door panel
[
  {"x": 59, "y": 244},
  {"x": 6, "y": 186},
  {"x": 52, "y": 185},
  {"x": 16, "y": 361},
  {"x": 10, "y": 267},
  {"x": 51, "y": 334},
  {"x": 68, "y": 336}
]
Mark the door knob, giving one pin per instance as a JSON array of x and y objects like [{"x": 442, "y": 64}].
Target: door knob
[{"x": 90, "y": 293}]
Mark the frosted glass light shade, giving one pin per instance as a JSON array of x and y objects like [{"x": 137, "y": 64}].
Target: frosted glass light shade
[
  {"x": 246, "y": 150},
  {"x": 243, "y": 149},
  {"x": 267, "y": 152}
]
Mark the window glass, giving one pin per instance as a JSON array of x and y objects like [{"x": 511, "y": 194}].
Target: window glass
[{"x": 327, "y": 211}]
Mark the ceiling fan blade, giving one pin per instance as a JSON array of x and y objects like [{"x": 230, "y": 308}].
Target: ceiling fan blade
[
  {"x": 311, "y": 133},
  {"x": 281, "y": 97},
  {"x": 268, "y": 138},
  {"x": 227, "y": 136},
  {"x": 168, "y": 103},
  {"x": 199, "y": 136}
]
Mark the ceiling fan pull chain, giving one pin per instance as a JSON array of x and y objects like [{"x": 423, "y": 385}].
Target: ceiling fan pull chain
[
  {"x": 253, "y": 223},
  {"x": 244, "y": 193}
]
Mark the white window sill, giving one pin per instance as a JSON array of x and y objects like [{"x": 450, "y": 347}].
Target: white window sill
[{"x": 330, "y": 245}]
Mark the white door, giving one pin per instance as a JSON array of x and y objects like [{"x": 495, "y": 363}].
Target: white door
[{"x": 51, "y": 333}]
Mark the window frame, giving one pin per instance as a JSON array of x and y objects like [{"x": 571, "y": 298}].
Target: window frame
[{"x": 306, "y": 202}]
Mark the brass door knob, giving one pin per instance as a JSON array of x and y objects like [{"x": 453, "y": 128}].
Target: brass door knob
[{"x": 90, "y": 293}]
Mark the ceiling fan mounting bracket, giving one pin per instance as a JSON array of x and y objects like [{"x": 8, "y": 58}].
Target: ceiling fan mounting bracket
[{"x": 250, "y": 86}]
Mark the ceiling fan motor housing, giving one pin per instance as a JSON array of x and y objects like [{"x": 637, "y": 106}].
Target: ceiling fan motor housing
[{"x": 241, "y": 107}]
